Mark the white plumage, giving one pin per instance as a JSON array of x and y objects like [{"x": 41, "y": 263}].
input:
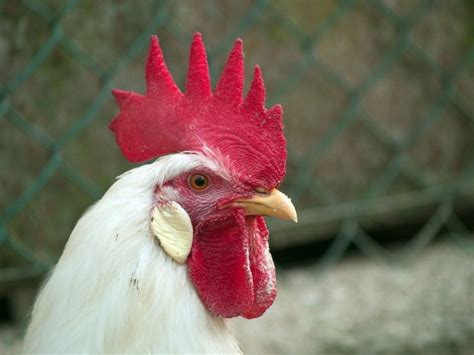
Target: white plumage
[{"x": 114, "y": 290}]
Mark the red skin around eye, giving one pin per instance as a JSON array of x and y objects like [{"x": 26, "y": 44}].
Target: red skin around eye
[{"x": 230, "y": 264}]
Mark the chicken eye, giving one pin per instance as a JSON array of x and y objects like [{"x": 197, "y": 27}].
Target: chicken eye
[{"x": 198, "y": 182}]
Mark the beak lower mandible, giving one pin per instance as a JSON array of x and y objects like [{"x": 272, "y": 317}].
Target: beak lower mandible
[{"x": 275, "y": 204}]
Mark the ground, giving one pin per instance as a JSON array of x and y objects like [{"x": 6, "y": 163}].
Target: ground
[{"x": 422, "y": 306}]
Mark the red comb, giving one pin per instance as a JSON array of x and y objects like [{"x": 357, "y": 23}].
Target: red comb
[{"x": 165, "y": 120}]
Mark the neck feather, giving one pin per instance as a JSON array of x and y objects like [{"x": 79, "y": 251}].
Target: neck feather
[{"x": 115, "y": 290}]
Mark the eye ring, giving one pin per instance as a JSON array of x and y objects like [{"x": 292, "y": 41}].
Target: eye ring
[{"x": 198, "y": 182}]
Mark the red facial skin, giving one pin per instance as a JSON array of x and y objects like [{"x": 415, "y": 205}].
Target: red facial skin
[{"x": 230, "y": 263}]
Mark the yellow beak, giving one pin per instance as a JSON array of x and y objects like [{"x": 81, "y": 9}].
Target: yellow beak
[{"x": 274, "y": 203}]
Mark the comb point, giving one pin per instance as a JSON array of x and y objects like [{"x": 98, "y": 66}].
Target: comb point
[
  {"x": 231, "y": 84},
  {"x": 255, "y": 100},
  {"x": 198, "y": 81},
  {"x": 159, "y": 81}
]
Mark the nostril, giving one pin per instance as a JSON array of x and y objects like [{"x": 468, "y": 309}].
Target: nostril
[{"x": 262, "y": 190}]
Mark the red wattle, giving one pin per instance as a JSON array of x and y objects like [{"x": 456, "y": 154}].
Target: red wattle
[{"x": 231, "y": 266}]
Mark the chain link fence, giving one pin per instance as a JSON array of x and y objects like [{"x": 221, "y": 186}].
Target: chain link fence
[
  {"x": 378, "y": 99},
  {"x": 379, "y": 116}
]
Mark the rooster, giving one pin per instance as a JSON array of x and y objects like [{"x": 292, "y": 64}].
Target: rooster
[{"x": 176, "y": 247}]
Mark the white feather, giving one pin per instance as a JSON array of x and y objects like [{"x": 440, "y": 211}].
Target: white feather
[{"x": 115, "y": 290}]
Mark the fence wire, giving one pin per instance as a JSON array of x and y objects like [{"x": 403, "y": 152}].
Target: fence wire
[{"x": 435, "y": 200}]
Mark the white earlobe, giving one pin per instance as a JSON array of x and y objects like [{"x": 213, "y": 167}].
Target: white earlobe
[{"x": 171, "y": 224}]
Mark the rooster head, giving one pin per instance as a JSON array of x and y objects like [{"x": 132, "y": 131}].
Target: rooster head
[{"x": 209, "y": 214}]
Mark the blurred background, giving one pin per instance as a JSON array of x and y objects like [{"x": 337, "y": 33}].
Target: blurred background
[{"x": 379, "y": 115}]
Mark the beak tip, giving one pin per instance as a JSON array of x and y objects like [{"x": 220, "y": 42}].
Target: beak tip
[{"x": 294, "y": 217}]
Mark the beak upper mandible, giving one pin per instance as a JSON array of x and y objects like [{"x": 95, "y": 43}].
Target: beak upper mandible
[{"x": 275, "y": 204}]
